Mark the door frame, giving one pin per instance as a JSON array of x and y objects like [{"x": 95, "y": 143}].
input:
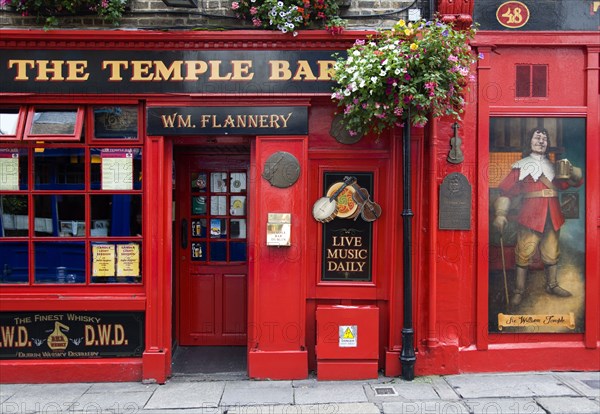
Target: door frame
[{"x": 204, "y": 146}]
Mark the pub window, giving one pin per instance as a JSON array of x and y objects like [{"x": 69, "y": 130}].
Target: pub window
[
  {"x": 532, "y": 81},
  {"x": 54, "y": 124},
  {"x": 119, "y": 122},
  {"x": 11, "y": 123},
  {"x": 70, "y": 213}
]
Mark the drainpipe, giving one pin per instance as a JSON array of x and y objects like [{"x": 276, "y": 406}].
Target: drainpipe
[{"x": 407, "y": 355}]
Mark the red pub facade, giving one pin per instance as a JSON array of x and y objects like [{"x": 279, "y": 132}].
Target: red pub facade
[{"x": 160, "y": 190}]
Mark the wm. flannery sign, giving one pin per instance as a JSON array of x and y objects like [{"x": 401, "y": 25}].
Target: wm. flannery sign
[{"x": 237, "y": 72}]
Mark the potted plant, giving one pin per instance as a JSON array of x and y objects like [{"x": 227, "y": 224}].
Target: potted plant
[
  {"x": 421, "y": 68},
  {"x": 48, "y": 11},
  {"x": 287, "y": 16}
]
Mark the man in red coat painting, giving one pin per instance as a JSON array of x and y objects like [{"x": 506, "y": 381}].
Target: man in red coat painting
[{"x": 540, "y": 217}]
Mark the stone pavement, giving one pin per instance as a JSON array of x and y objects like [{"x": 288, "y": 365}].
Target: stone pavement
[{"x": 531, "y": 392}]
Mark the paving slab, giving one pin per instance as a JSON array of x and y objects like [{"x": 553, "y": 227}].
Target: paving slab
[
  {"x": 200, "y": 395},
  {"x": 353, "y": 408},
  {"x": 508, "y": 386},
  {"x": 330, "y": 392},
  {"x": 248, "y": 393},
  {"x": 119, "y": 387},
  {"x": 7, "y": 390},
  {"x": 45, "y": 398},
  {"x": 585, "y": 383},
  {"x": 443, "y": 389},
  {"x": 116, "y": 402},
  {"x": 504, "y": 406},
  {"x": 569, "y": 405},
  {"x": 425, "y": 407}
]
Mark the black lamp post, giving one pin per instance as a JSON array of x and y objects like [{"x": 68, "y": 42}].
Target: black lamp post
[{"x": 407, "y": 355}]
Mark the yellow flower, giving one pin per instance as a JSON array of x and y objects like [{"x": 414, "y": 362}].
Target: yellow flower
[
  {"x": 407, "y": 32},
  {"x": 414, "y": 46},
  {"x": 402, "y": 23}
]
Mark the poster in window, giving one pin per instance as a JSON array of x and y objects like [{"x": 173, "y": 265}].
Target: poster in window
[
  {"x": 128, "y": 260},
  {"x": 103, "y": 260},
  {"x": 536, "y": 226},
  {"x": 9, "y": 169},
  {"x": 117, "y": 169}
]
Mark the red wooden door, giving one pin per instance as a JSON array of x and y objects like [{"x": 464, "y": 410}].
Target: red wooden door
[{"x": 211, "y": 231}]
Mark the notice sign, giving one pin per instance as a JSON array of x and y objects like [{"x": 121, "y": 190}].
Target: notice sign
[
  {"x": 348, "y": 336},
  {"x": 103, "y": 260},
  {"x": 117, "y": 169},
  {"x": 9, "y": 169},
  {"x": 128, "y": 259},
  {"x": 58, "y": 335}
]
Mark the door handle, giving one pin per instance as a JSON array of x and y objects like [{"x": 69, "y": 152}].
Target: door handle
[{"x": 184, "y": 234}]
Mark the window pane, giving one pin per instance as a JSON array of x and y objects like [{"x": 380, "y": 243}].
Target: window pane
[
  {"x": 199, "y": 182},
  {"x": 238, "y": 206},
  {"x": 237, "y": 251},
  {"x": 9, "y": 120},
  {"x": 218, "y": 228},
  {"x": 117, "y": 171},
  {"x": 59, "y": 215},
  {"x": 14, "y": 263},
  {"x": 47, "y": 122},
  {"x": 116, "y": 215},
  {"x": 238, "y": 182},
  {"x": 13, "y": 169},
  {"x": 59, "y": 169},
  {"x": 55, "y": 261},
  {"x": 238, "y": 229},
  {"x": 539, "y": 81},
  {"x": 116, "y": 262},
  {"x": 14, "y": 216},
  {"x": 523, "y": 81},
  {"x": 198, "y": 252},
  {"x": 199, "y": 228},
  {"x": 115, "y": 122},
  {"x": 218, "y": 182},
  {"x": 218, "y": 205},
  {"x": 218, "y": 251}
]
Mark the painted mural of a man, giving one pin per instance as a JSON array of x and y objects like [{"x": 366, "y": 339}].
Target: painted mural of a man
[{"x": 540, "y": 217}]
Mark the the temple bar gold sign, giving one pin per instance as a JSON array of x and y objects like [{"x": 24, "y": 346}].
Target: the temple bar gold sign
[{"x": 541, "y": 321}]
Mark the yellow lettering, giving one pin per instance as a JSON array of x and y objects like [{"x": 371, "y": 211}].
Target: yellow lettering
[
  {"x": 241, "y": 69},
  {"x": 115, "y": 68},
  {"x": 215, "y": 71},
  {"x": 76, "y": 70},
  {"x": 173, "y": 72},
  {"x": 21, "y": 68},
  {"x": 52, "y": 67},
  {"x": 304, "y": 70},
  {"x": 280, "y": 70},
  {"x": 325, "y": 69},
  {"x": 194, "y": 68},
  {"x": 140, "y": 70}
]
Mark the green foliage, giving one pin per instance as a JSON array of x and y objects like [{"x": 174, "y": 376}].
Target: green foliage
[
  {"x": 48, "y": 11},
  {"x": 286, "y": 16},
  {"x": 421, "y": 66}
]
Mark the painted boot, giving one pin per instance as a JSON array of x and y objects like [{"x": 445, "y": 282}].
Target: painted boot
[
  {"x": 552, "y": 283},
  {"x": 519, "y": 291}
]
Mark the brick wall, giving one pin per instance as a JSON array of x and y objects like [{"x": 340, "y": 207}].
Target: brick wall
[{"x": 216, "y": 14}]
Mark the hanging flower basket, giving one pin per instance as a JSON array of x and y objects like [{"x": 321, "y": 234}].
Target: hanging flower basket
[
  {"x": 287, "y": 16},
  {"x": 47, "y": 11},
  {"x": 421, "y": 68}
]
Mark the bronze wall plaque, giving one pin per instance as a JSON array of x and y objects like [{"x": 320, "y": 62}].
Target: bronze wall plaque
[
  {"x": 282, "y": 169},
  {"x": 455, "y": 203}
]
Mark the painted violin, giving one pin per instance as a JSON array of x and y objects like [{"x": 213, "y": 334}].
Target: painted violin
[{"x": 369, "y": 210}]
